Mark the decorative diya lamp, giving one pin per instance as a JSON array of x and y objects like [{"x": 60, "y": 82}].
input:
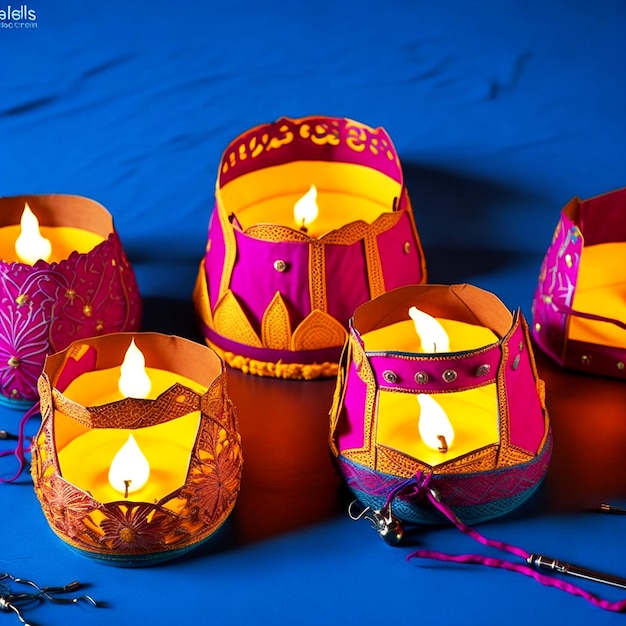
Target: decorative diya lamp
[
  {"x": 439, "y": 381},
  {"x": 138, "y": 463},
  {"x": 311, "y": 220},
  {"x": 63, "y": 276},
  {"x": 578, "y": 308}
]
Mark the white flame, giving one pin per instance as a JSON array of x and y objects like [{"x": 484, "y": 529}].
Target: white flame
[
  {"x": 431, "y": 333},
  {"x": 434, "y": 424},
  {"x": 305, "y": 210},
  {"x": 30, "y": 246},
  {"x": 129, "y": 469},
  {"x": 134, "y": 381}
]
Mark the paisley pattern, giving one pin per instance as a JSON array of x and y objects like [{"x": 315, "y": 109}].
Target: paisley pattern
[{"x": 43, "y": 308}]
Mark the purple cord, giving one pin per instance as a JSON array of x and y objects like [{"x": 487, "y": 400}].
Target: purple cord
[{"x": 23, "y": 446}]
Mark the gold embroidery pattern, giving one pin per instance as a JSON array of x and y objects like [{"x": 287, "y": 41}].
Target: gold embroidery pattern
[
  {"x": 230, "y": 245},
  {"x": 318, "y": 329},
  {"x": 231, "y": 321},
  {"x": 276, "y": 327},
  {"x": 317, "y": 279},
  {"x": 201, "y": 297},
  {"x": 319, "y": 131},
  {"x": 374, "y": 267},
  {"x": 143, "y": 532},
  {"x": 293, "y": 371},
  {"x": 367, "y": 455}
]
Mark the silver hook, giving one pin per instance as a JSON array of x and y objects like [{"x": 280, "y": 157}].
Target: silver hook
[{"x": 382, "y": 521}]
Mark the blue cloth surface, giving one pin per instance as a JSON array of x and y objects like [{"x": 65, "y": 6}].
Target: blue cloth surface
[{"x": 501, "y": 113}]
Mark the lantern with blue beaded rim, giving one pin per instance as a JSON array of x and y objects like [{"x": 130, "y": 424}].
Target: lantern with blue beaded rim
[{"x": 457, "y": 398}]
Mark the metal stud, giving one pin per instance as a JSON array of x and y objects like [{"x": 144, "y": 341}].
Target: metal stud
[
  {"x": 421, "y": 378},
  {"x": 390, "y": 377},
  {"x": 620, "y": 365},
  {"x": 280, "y": 265},
  {"x": 407, "y": 247},
  {"x": 516, "y": 361},
  {"x": 568, "y": 260},
  {"x": 585, "y": 359},
  {"x": 483, "y": 370},
  {"x": 22, "y": 299},
  {"x": 537, "y": 326},
  {"x": 449, "y": 376},
  {"x": 13, "y": 362},
  {"x": 521, "y": 346}
]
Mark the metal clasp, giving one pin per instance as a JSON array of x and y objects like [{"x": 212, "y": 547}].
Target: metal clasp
[{"x": 382, "y": 521}]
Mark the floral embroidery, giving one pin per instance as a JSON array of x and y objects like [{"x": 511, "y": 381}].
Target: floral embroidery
[
  {"x": 68, "y": 506},
  {"x": 136, "y": 527}
]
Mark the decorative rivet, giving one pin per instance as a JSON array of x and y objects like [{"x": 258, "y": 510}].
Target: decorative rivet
[
  {"x": 568, "y": 260},
  {"x": 547, "y": 298},
  {"x": 70, "y": 294},
  {"x": 620, "y": 365},
  {"x": 87, "y": 310},
  {"x": 390, "y": 377},
  {"x": 421, "y": 378},
  {"x": 449, "y": 376},
  {"x": 13, "y": 362},
  {"x": 516, "y": 361},
  {"x": 521, "y": 346},
  {"x": 22, "y": 299},
  {"x": 15, "y": 393},
  {"x": 99, "y": 325},
  {"x": 280, "y": 265},
  {"x": 407, "y": 247},
  {"x": 537, "y": 326},
  {"x": 483, "y": 370},
  {"x": 585, "y": 359}
]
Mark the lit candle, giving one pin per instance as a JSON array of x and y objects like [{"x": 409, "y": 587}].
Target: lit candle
[
  {"x": 432, "y": 334},
  {"x": 434, "y": 426},
  {"x": 129, "y": 469},
  {"x": 134, "y": 381},
  {"x": 305, "y": 210},
  {"x": 30, "y": 246},
  {"x": 474, "y": 412},
  {"x": 162, "y": 451}
]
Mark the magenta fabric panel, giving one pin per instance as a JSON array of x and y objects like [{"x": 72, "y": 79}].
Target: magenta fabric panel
[
  {"x": 214, "y": 258},
  {"x": 47, "y": 306},
  {"x": 603, "y": 218},
  {"x": 351, "y": 428},
  {"x": 396, "y": 372},
  {"x": 399, "y": 266},
  {"x": 310, "y": 139},
  {"x": 346, "y": 280},
  {"x": 73, "y": 368},
  {"x": 527, "y": 422},
  {"x": 308, "y": 357},
  {"x": 557, "y": 282},
  {"x": 255, "y": 281}
]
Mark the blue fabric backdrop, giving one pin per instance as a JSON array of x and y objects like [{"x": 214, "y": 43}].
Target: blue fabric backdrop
[{"x": 501, "y": 112}]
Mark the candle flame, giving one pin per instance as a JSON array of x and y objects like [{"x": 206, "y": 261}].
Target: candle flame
[
  {"x": 434, "y": 426},
  {"x": 431, "y": 333},
  {"x": 134, "y": 381},
  {"x": 129, "y": 469},
  {"x": 305, "y": 210},
  {"x": 30, "y": 246}
]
